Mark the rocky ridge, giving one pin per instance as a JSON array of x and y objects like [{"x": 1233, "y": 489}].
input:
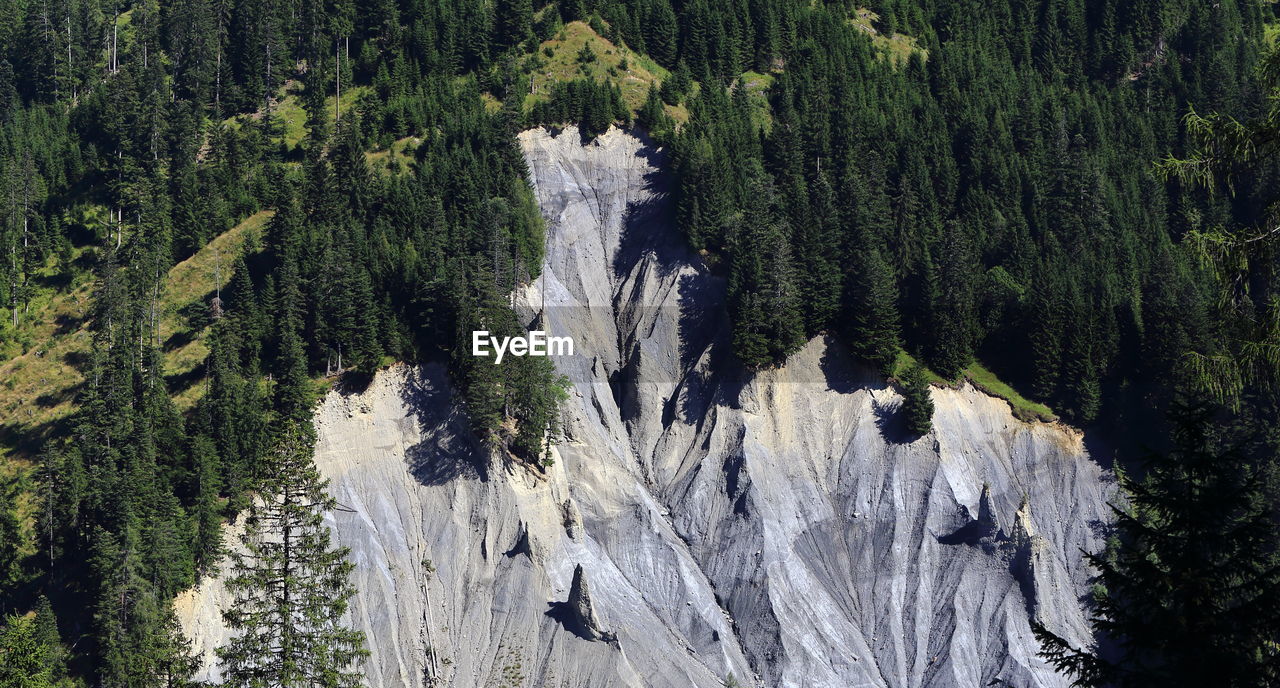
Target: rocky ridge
[{"x": 698, "y": 523}]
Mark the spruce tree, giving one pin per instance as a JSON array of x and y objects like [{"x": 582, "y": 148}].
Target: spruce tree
[
  {"x": 290, "y": 585},
  {"x": 207, "y": 510},
  {"x": 1189, "y": 595},
  {"x": 874, "y": 311},
  {"x": 951, "y": 310},
  {"x": 763, "y": 299},
  {"x": 46, "y": 631},
  {"x": 661, "y": 32},
  {"x": 23, "y": 658},
  {"x": 917, "y": 404},
  {"x": 10, "y": 538},
  {"x": 513, "y": 23}
]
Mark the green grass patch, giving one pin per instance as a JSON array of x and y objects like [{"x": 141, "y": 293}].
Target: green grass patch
[
  {"x": 292, "y": 116},
  {"x": 906, "y": 360},
  {"x": 1023, "y": 408},
  {"x": 188, "y": 283},
  {"x": 38, "y": 386},
  {"x": 896, "y": 48},
  {"x": 396, "y": 159},
  {"x": 757, "y": 86},
  {"x": 986, "y": 382},
  {"x": 559, "y": 59}
]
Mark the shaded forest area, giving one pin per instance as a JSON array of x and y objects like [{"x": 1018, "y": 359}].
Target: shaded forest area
[{"x": 989, "y": 193}]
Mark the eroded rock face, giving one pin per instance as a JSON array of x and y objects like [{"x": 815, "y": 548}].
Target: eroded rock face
[{"x": 698, "y": 522}]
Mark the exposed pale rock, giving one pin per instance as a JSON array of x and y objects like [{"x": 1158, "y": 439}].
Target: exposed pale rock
[{"x": 777, "y": 527}]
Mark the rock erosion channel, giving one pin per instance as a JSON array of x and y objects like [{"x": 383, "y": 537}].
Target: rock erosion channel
[{"x": 697, "y": 523}]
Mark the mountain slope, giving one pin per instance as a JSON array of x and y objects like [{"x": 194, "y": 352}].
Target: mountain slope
[{"x": 778, "y": 528}]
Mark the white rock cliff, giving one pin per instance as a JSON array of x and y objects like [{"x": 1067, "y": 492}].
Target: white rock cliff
[{"x": 698, "y": 523}]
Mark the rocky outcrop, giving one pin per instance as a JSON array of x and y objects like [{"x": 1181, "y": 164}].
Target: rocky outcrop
[
  {"x": 698, "y": 522},
  {"x": 578, "y": 613}
]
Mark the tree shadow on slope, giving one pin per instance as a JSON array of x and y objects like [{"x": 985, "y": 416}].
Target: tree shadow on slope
[
  {"x": 648, "y": 226},
  {"x": 891, "y": 422},
  {"x": 447, "y": 450},
  {"x": 842, "y": 372},
  {"x": 703, "y": 330}
]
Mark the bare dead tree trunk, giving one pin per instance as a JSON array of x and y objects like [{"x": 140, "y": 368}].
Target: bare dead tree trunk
[
  {"x": 47, "y": 26},
  {"x": 337, "y": 101},
  {"x": 115, "y": 41},
  {"x": 70, "y": 72},
  {"x": 217, "y": 83},
  {"x": 13, "y": 285},
  {"x": 267, "y": 86}
]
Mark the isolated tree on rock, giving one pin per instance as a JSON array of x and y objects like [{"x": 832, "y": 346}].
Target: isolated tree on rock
[
  {"x": 291, "y": 586},
  {"x": 917, "y": 405}
]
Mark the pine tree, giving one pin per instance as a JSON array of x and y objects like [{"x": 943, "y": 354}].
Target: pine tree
[
  {"x": 917, "y": 404},
  {"x": 815, "y": 243},
  {"x": 23, "y": 658},
  {"x": 660, "y": 33},
  {"x": 768, "y": 325},
  {"x": 207, "y": 512},
  {"x": 1189, "y": 595},
  {"x": 46, "y": 631},
  {"x": 294, "y": 392},
  {"x": 513, "y": 22},
  {"x": 677, "y": 85},
  {"x": 291, "y": 586},
  {"x": 11, "y": 574},
  {"x": 139, "y": 641},
  {"x": 874, "y": 312},
  {"x": 952, "y": 316},
  {"x": 652, "y": 115}
]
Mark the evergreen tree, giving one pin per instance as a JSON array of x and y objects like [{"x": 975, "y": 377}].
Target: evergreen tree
[
  {"x": 1189, "y": 594},
  {"x": 661, "y": 32},
  {"x": 678, "y": 85},
  {"x": 139, "y": 641},
  {"x": 652, "y": 115},
  {"x": 207, "y": 512},
  {"x": 513, "y": 23},
  {"x": 763, "y": 298},
  {"x": 23, "y": 658},
  {"x": 873, "y": 311},
  {"x": 291, "y": 586},
  {"x": 917, "y": 404},
  {"x": 11, "y": 574},
  {"x": 46, "y": 631},
  {"x": 815, "y": 242},
  {"x": 952, "y": 315}
]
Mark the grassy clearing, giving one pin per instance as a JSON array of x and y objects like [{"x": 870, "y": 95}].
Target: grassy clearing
[
  {"x": 396, "y": 158},
  {"x": 294, "y": 117},
  {"x": 557, "y": 60},
  {"x": 38, "y": 388},
  {"x": 288, "y": 109},
  {"x": 1023, "y": 408},
  {"x": 897, "y": 48},
  {"x": 757, "y": 86},
  {"x": 985, "y": 381},
  {"x": 193, "y": 282},
  {"x": 906, "y": 360}
]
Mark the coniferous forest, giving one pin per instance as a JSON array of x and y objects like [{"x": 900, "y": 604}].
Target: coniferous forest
[{"x": 1077, "y": 197}]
